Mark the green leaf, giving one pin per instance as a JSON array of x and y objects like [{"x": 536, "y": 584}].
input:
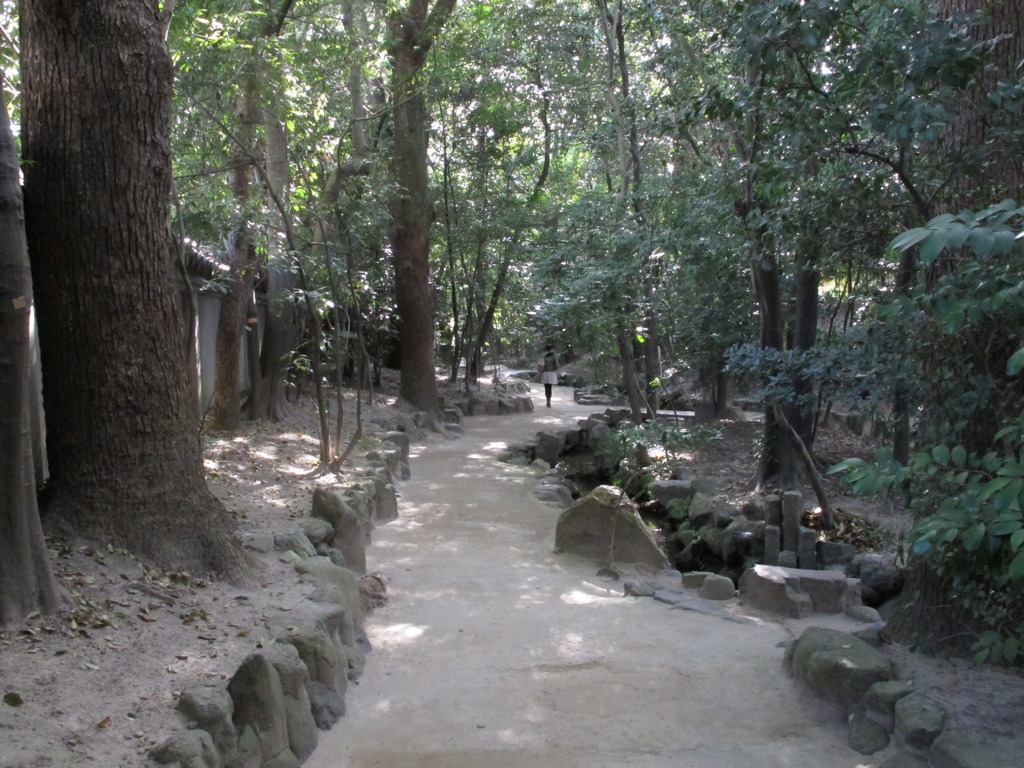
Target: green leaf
[
  {"x": 1017, "y": 540},
  {"x": 909, "y": 238},
  {"x": 933, "y": 245},
  {"x": 973, "y": 537},
  {"x": 1017, "y": 567},
  {"x": 981, "y": 241},
  {"x": 996, "y": 484},
  {"x": 959, "y": 455},
  {"x": 1011, "y": 648},
  {"x": 844, "y": 465},
  {"x": 1015, "y": 363},
  {"x": 940, "y": 455}
]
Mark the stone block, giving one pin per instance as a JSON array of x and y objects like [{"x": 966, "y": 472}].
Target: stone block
[
  {"x": 773, "y": 509},
  {"x": 772, "y": 588},
  {"x": 772, "y": 544},
  {"x": 792, "y": 505},
  {"x": 807, "y": 549}
]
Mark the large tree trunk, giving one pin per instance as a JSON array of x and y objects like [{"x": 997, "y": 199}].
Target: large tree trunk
[
  {"x": 126, "y": 464},
  {"x": 412, "y": 34},
  {"x": 26, "y": 583}
]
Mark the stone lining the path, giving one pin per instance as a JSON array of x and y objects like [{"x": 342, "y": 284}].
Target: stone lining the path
[{"x": 269, "y": 713}]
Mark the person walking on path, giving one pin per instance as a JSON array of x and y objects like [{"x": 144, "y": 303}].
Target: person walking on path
[{"x": 548, "y": 371}]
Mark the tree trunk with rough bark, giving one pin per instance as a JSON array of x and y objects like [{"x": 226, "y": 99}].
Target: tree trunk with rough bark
[
  {"x": 412, "y": 33},
  {"x": 125, "y": 458},
  {"x": 26, "y": 582}
]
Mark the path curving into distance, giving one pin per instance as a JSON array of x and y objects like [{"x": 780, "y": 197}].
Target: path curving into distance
[{"x": 493, "y": 652}]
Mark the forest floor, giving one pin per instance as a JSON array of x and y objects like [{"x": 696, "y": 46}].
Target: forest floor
[{"x": 492, "y": 652}]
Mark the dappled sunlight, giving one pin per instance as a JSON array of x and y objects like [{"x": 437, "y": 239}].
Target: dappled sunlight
[
  {"x": 595, "y": 595},
  {"x": 399, "y": 634}
]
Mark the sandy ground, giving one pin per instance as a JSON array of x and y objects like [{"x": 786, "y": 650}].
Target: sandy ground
[
  {"x": 496, "y": 653},
  {"x": 492, "y": 653}
]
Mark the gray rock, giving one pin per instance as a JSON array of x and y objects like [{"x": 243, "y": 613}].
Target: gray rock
[
  {"x": 880, "y": 701},
  {"x": 191, "y": 749},
  {"x": 550, "y": 446},
  {"x": 666, "y": 491},
  {"x": 702, "y": 510},
  {"x": 317, "y": 530},
  {"x": 772, "y": 544},
  {"x": 401, "y": 441},
  {"x": 717, "y": 587},
  {"x": 792, "y": 502},
  {"x": 879, "y": 575},
  {"x": 787, "y": 559},
  {"x": 349, "y": 527},
  {"x": 864, "y": 614},
  {"x": 638, "y": 588},
  {"x": 604, "y": 525},
  {"x": 740, "y": 541},
  {"x": 775, "y": 589},
  {"x": 387, "y": 502},
  {"x": 317, "y": 638},
  {"x": 919, "y": 720},
  {"x": 837, "y": 665},
  {"x": 294, "y": 541},
  {"x": 865, "y": 735},
  {"x": 326, "y": 704},
  {"x": 210, "y": 706},
  {"x": 294, "y": 676},
  {"x": 554, "y": 493},
  {"x": 258, "y": 700},
  {"x": 695, "y": 579},
  {"x": 834, "y": 553},
  {"x": 807, "y": 551},
  {"x": 724, "y": 513},
  {"x": 953, "y": 749}
]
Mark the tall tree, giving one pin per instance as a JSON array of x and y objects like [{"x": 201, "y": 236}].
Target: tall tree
[
  {"x": 412, "y": 32},
  {"x": 125, "y": 455},
  {"x": 26, "y": 583}
]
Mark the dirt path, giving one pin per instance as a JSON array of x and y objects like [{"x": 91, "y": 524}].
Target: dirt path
[{"x": 494, "y": 652}]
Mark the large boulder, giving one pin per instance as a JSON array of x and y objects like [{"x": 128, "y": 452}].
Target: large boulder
[
  {"x": 837, "y": 665},
  {"x": 606, "y": 526}
]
